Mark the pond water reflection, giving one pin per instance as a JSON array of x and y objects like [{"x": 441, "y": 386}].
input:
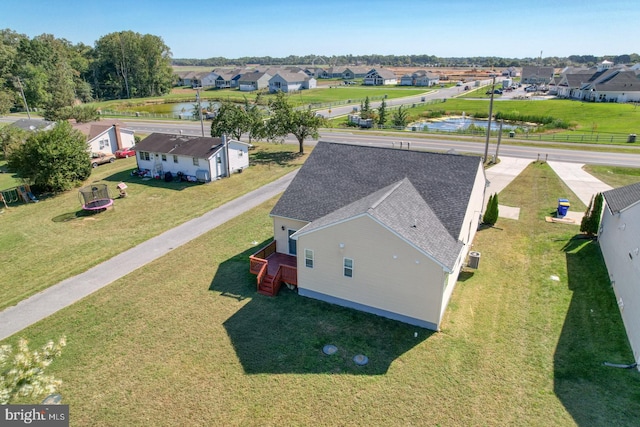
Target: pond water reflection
[{"x": 454, "y": 124}]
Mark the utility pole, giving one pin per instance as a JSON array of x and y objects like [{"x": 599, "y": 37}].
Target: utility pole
[
  {"x": 486, "y": 145},
  {"x": 24, "y": 99},
  {"x": 199, "y": 110},
  {"x": 499, "y": 139}
]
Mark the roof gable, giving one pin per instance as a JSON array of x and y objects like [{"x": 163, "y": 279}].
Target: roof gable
[
  {"x": 400, "y": 208},
  {"x": 336, "y": 175}
]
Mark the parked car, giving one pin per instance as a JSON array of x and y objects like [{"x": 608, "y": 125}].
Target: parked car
[
  {"x": 530, "y": 89},
  {"x": 125, "y": 153},
  {"x": 101, "y": 158}
]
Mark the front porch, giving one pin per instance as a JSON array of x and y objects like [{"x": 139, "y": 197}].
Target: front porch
[{"x": 273, "y": 269}]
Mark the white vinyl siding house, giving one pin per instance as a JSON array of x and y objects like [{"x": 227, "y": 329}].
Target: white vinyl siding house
[
  {"x": 291, "y": 82},
  {"x": 204, "y": 158},
  {"x": 109, "y": 139},
  {"x": 380, "y": 77},
  {"x": 619, "y": 239}
]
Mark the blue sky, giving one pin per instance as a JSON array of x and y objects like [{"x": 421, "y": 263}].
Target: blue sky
[{"x": 278, "y": 28}]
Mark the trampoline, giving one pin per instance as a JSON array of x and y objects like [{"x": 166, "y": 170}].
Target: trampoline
[{"x": 95, "y": 197}]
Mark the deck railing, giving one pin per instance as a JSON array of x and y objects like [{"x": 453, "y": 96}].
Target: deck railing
[{"x": 289, "y": 274}]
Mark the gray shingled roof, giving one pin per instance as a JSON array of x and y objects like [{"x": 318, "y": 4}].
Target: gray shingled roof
[
  {"x": 32, "y": 124},
  {"x": 622, "y": 198},
  {"x": 201, "y": 147},
  {"x": 400, "y": 207},
  {"x": 336, "y": 175}
]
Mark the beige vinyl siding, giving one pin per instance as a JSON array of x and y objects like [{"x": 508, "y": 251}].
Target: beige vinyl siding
[
  {"x": 282, "y": 236},
  {"x": 388, "y": 273}
]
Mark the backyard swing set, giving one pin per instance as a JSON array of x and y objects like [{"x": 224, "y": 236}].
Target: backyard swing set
[{"x": 16, "y": 194}]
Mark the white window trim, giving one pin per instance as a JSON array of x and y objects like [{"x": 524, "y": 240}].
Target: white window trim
[
  {"x": 311, "y": 258},
  {"x": 345, "y": 268}
]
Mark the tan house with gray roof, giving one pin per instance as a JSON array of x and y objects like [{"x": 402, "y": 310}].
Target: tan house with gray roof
[{"x": 380, "y": 230}]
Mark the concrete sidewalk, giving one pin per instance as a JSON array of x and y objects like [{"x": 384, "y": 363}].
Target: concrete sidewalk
[
  {"x": 65, "y": 293},
  {"x": 580, "y": 182},
  {"x": 501, "y": 175}
]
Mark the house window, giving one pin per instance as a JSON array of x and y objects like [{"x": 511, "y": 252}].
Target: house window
[
  {"x": 240, "y": 153},
  {"x": 219, "y": 159},
  {"x": 164, "y": 157},
  {"x": 195, "y": 161},
  {"x": 144, "y": 155},
  {"x": 308, "y": 258},
  {"x": 175, "y": 159},
  {"x": 104, "y": 143},
  {"x": 348, "y": 267}
]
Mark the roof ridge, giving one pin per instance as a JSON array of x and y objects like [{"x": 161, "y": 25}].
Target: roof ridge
[{"x": 388, "y": 193}]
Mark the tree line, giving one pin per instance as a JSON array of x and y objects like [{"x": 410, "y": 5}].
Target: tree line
[
  {"x": 409, "y": 60},
  {"x": 50, "y": 74}
]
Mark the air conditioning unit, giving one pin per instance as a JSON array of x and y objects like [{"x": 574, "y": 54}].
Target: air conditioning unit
[{"x": 474, "y": 259}]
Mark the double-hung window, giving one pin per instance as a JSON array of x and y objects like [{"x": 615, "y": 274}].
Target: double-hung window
[
  {"x": 308, "y": 258},
  {"x": 348, "y": 267}
]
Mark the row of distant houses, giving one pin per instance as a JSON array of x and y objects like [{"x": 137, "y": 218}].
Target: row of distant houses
[
  {"x": 605, "y": 82},
  {"x": 291, "y": 79}
]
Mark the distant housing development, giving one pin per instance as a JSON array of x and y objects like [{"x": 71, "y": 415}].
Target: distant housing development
[{"x": 606, "y": 82}]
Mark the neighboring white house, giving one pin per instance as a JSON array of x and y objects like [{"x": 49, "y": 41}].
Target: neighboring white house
[
  {"x": 381, "y": 230},
  {"x": 380, "y": 77},
  {"x": 420, "y": 78},
  {"x": 284, "y": 81},
  {"x": 619, "y": 239},
  {"x": 109, "y": 138},
  {"x": 253, "y": 81},
  {"x": 195, "y": 157}
]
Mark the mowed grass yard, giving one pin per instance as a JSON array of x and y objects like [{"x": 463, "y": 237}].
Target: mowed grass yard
[
  {"x": 586, "y": 116},
  {"x": 186, "y": 340},
  {"x": 46, "y": 242}
]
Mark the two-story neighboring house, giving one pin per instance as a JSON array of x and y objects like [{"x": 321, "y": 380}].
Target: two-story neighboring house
[{"x": 381, "y": 230}]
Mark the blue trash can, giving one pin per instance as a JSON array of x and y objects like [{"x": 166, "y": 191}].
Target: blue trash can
[{"x": 563, "y": 207}]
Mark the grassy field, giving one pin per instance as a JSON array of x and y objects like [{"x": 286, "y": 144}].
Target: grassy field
[
  {"x": 186, "y": 340},
  {"x": 586, "y": 116},
  {"x": 614, "y": 176},
  {"x": 46, "y": 242}
]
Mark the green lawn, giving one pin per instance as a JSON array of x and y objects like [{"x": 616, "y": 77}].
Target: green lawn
[
  {"x": 46, "y": 242},
  {"x": 186, "y": 340},
  {"x": 586, "y": 116}
]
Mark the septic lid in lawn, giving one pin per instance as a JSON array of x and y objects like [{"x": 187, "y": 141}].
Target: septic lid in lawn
[
  {"x": 329, "y": 349},
  {"x": 360, "y": 359}
]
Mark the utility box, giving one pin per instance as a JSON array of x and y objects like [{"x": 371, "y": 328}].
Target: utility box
[
  {"x": 563, "y": 207},
  {"x": 474, "y": 259}
]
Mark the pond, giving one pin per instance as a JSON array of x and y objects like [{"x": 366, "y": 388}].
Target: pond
[
  {"x": 183, "y": 109},
  {"x": 454, "y": 124}
]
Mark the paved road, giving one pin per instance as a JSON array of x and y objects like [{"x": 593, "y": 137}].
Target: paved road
[{"x": 65, "y": 293}]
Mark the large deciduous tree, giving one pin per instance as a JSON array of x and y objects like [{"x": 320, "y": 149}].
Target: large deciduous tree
[
  {"x": 129, "y": 64},
  {"x": 54, "y": 160},
  {"x": 285, "y": 120}
]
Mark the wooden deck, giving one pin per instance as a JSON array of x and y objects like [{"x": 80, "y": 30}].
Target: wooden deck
[
  {"x": 277, "y": 259},
  {"x": 273, "y": 269}
]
